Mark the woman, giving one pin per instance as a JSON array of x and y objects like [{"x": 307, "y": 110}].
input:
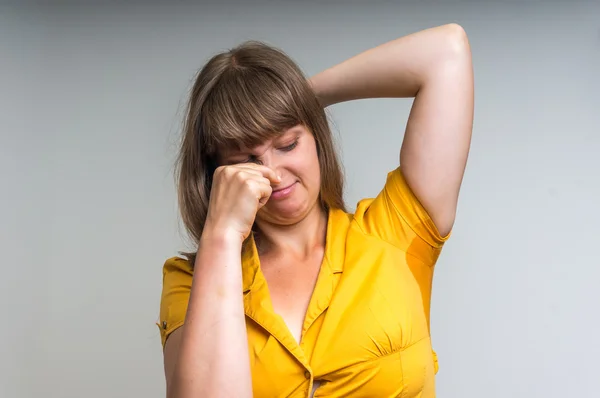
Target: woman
[{"x": 288, "y": 295}]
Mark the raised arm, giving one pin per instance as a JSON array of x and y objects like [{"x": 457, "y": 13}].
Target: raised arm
[{"x": 433, "y": 66}]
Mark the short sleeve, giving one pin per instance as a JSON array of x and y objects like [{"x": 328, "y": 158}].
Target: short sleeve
[
  {"x": 177, "y": 284},
  {"x": 397, "y": 216}
]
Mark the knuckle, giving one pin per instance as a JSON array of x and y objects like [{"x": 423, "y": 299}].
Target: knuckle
[
  {"x": 249, "y": 183},
  {"x": 225, "y": 171},
  {"x": 241, "y": 177},
  {"x": 229, "y": 170},
  {"x": 219, "y": 170}
]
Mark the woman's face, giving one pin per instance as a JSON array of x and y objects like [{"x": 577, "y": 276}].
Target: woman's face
[{"x": 293, "y": 156}]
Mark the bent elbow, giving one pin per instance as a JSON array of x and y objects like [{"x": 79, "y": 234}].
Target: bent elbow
[{"x": 457, "y": 39}]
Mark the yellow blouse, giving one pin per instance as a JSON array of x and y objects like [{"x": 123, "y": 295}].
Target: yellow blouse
[{"x": 366, "y": 330}]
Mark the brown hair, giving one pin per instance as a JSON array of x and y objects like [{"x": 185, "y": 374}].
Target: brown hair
[{"x": 243, "y": 97}]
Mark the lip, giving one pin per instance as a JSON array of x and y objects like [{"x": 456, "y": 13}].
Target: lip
[{"x": 283, "y": 192}]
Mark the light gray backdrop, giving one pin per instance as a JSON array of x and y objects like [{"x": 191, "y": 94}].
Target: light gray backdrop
[{"x": 91, "y": 100}]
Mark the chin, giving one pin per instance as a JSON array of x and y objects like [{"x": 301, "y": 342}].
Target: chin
[{"x": 285, "y": 213}]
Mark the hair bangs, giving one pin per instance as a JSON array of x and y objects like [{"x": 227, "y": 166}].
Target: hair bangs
[{"x": 248, "y": 107}]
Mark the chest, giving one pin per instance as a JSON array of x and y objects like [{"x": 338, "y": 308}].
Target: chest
[
  {"x": 291, "y": 283},
  {"x": 369, "y": 331}
]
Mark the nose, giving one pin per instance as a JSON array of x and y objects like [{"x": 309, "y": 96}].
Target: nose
[{"x": 270, "y": 161}]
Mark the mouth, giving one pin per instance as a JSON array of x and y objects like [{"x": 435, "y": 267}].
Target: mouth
[
  {"x": 283, "y": 189},
  {"x": 282, "y": 193}
]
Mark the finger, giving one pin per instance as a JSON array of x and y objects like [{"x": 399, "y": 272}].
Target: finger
[
  {"x": 264, "y": 170},
  {"x": 266, "y": 194},
  {"x": 254, "y": 175},
  {"x": 249, "y": 172},
  {"x": 242, "y": 172},
  {"x": 262, "y": 190}
]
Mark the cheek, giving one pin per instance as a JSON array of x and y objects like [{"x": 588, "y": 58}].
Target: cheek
[
  {"x": 307, "y": 169},
  {"x": 313, "y": 171},
  {"x": 305, "y": 165}
]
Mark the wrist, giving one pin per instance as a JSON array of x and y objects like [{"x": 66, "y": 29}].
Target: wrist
[
  {"x": 213, "y": 236},
  {"x": 317, "y": 83}
]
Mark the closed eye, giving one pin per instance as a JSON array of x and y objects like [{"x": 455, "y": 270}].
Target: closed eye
[
  {"x": 251, "y": 159},
  {"x": 289, "y": 147},
  {"x": 254, "y": 159}
]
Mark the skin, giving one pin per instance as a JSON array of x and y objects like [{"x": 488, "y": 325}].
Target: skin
[
  {"x": 293, "y": 157},
  {"x": 433, "y": 66},
  {"x": 293, "y": 227}
]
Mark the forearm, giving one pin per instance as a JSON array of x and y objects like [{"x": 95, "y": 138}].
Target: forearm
[
  {"x": 213, "y": 358},
  {"x": 395, "y": 69}
]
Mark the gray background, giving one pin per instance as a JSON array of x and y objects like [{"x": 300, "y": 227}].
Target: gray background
[{"x": 91, "y": 100}]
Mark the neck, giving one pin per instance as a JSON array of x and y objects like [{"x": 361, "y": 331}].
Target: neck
[{"x": 299, "y": 239}]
